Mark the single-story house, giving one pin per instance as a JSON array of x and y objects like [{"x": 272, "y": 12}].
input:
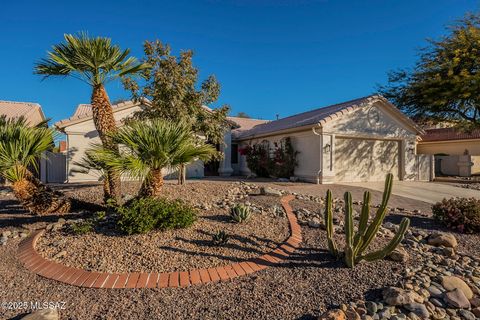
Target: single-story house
[
  {"x": 456, "y": 153},
  {"x": 32, "y": 112},
  {"x": 358, "y": 140}
]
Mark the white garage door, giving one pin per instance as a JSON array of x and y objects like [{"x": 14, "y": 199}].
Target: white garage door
[{"x": 365, "y": 160}]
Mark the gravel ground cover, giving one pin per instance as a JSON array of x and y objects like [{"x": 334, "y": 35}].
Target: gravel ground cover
[{"x": 302, "y": 287}]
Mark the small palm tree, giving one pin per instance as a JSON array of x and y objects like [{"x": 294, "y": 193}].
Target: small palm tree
[
  {"x": 20, "y": 148},
  {"x": 95, "y": 61},
  {"x": 148, "y": 147}
]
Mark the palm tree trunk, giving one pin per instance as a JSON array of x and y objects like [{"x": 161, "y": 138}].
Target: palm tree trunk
[
  {"x": 182, "y": 172},
  {"x": 105, "y": 125},
  {"x": 38, "y": 198},
  {"x": 152, "y": 185}
]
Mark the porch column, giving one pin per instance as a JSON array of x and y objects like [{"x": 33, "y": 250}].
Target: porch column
[{"x": 225, "y": 169}]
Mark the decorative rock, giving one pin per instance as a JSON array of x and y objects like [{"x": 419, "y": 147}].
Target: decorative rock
[
  {"x": 335, "y": 314},
  {"x": 351, "y": 314},
  {"x": 267, "y": 191},
  {"x": 457, "y": 299},
  {"x": 371, "y": 307},
  {"x": 43, "y": 314},
  {"x": 475, "y": 302},
  {"x": 419, "y": 309},
  {"x": 467, "y": 315},
  {"x": 476, "y": 312},
  {"x": 435, "y": 291},
  {"x": 451, "y": 283},
  {"x": 6, "y": 234},
  {"x": 443, "y": 239},
  {"x": 399, "y": 297},
  {"x": 315, "y": 223},
  {"x": 399, "y": 254}
]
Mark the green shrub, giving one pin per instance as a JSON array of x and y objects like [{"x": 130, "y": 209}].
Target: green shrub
[
  {"x": 145, "y": 214},
  {"x": 82, "y": 227},
  {"x": 461, "y": 214},
  {"x": 240, "y": 213}
]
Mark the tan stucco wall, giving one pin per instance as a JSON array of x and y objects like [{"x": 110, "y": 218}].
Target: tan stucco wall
[
  {"x": 454, "y": 147},
  {"x": 80, "y": 136},
  {"x": 385, "y": 126}
]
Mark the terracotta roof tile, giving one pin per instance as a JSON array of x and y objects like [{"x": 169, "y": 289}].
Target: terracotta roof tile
[
  {"x": 31, "y": 111},
  {"x": 442, "y": 134}
]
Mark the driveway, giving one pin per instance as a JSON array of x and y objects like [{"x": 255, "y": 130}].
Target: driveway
[{"x": 430, "y": 192}]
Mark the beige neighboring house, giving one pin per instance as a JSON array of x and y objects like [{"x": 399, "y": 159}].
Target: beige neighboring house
[
  {"x": 456, "y": 153},
  {"x": 358, "y": 140},
  {"x": 32, "y": 112}
]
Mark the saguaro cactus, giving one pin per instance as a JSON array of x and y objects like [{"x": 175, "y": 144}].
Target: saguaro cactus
[{"x": 357, "y": 242}]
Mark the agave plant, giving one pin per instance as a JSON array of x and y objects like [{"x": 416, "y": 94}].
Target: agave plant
[
  {"x": 240, "y": 213},
  {"x": 220, "y": 238},
  {"x": 20, "y": 149},
  {"x": 150, "y": 146},
  {"x": 357, "y": 242}
]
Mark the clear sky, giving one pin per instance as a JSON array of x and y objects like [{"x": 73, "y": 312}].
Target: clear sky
[{"x": 269, "y": 56}]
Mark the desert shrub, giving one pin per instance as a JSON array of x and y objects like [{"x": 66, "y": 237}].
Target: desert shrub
[
  {"x": 461, "y": 214},
  {"x": 145, "y": 214},
  {"x": 82, "y": 227}
]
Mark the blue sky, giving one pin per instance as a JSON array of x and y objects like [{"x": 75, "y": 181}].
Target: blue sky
[{"x": 270, "y": 56}]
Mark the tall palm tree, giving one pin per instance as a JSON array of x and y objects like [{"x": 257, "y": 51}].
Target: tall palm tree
[
  {"x": 148, "y": 147},
  {"x": 94, "y": 61},
  {"x": 20, "y": 148}
]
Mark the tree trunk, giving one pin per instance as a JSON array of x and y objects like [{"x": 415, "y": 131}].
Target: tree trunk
[
  {"x": 152, "y": 185},
  {"x": 182, "y": 172},
  {"x": 105, "y": 125},
  {"x": 38, "y": 198}
]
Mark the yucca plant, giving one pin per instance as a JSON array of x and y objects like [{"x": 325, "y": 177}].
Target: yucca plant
[
  {"x": 220, "y": 238},
  {"x": 240, "y": 213},
  {"x": 357, "y": 242},
  {"x": 95, "y": 61},
  {"x": 20, "y": 149},
  {"x": 150, "y": 146}
]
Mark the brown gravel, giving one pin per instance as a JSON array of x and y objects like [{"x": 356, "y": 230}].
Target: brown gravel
[
  {"x": 172, "y": 250},
  {"x": 301, "y": 288}
]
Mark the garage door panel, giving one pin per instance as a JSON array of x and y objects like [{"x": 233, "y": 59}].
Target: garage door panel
[{"x": 365, "y": 160}]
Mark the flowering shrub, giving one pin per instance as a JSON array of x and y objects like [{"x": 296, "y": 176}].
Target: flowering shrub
[
  {"x": 265, "y": 162},
  {"x": 461, "y": 214}
]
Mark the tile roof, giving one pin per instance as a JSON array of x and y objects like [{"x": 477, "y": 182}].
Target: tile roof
[
  {"x": 445, "y": 134},
  {"x": 320, "y": 115},
  {"x": 31, "y": 111},
  {"x": 244, "y": 124}
]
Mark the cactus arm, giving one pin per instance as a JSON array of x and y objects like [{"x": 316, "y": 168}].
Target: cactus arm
[
  {"x": 363, "y": 223},
  {"x": 332, "y": 247},
  {"x": 381, "y": 212},
  {"x": 380, "y": 254},
  {"x": 349, "y": 254}
]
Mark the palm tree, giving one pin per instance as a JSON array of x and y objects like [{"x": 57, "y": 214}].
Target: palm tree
[
  {"x": 20, "y": 148},
  {"x": 94, "y": 61},
  {"x": 148, "y": 147}
]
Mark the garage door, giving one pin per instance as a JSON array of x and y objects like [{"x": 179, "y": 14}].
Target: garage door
[{"x": 365, "y": 160}]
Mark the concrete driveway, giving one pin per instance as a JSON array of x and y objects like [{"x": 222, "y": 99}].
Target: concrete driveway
[{"x": 430, "y": 192}]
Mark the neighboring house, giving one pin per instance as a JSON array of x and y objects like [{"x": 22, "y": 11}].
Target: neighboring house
[
  {"x": 358, "y": 140},
  {"x": 456, "y": 153},
  {"x": 32, "y": 112}
]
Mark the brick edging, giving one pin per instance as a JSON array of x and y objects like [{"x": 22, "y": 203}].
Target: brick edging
[{"x": 74, "y": 276}]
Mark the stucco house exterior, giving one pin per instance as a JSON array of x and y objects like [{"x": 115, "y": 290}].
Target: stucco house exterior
[
  {"x": 358, "y": 140},
  {"x": 456, "y": 153}
]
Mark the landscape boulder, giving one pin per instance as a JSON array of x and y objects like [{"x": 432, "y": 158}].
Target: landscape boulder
[
  {"x": 452, "y": 282},
  {"x": 443, "y": 239}
]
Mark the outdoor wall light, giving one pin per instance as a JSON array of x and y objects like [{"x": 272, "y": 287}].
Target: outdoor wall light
[{"x": 327, "y": 148}]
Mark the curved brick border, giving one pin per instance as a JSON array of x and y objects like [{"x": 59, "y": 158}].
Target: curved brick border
[{"x": 78, "y": 277}]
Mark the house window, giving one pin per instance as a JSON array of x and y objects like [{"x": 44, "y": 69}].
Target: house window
[{"x": 234, "y": 153}]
